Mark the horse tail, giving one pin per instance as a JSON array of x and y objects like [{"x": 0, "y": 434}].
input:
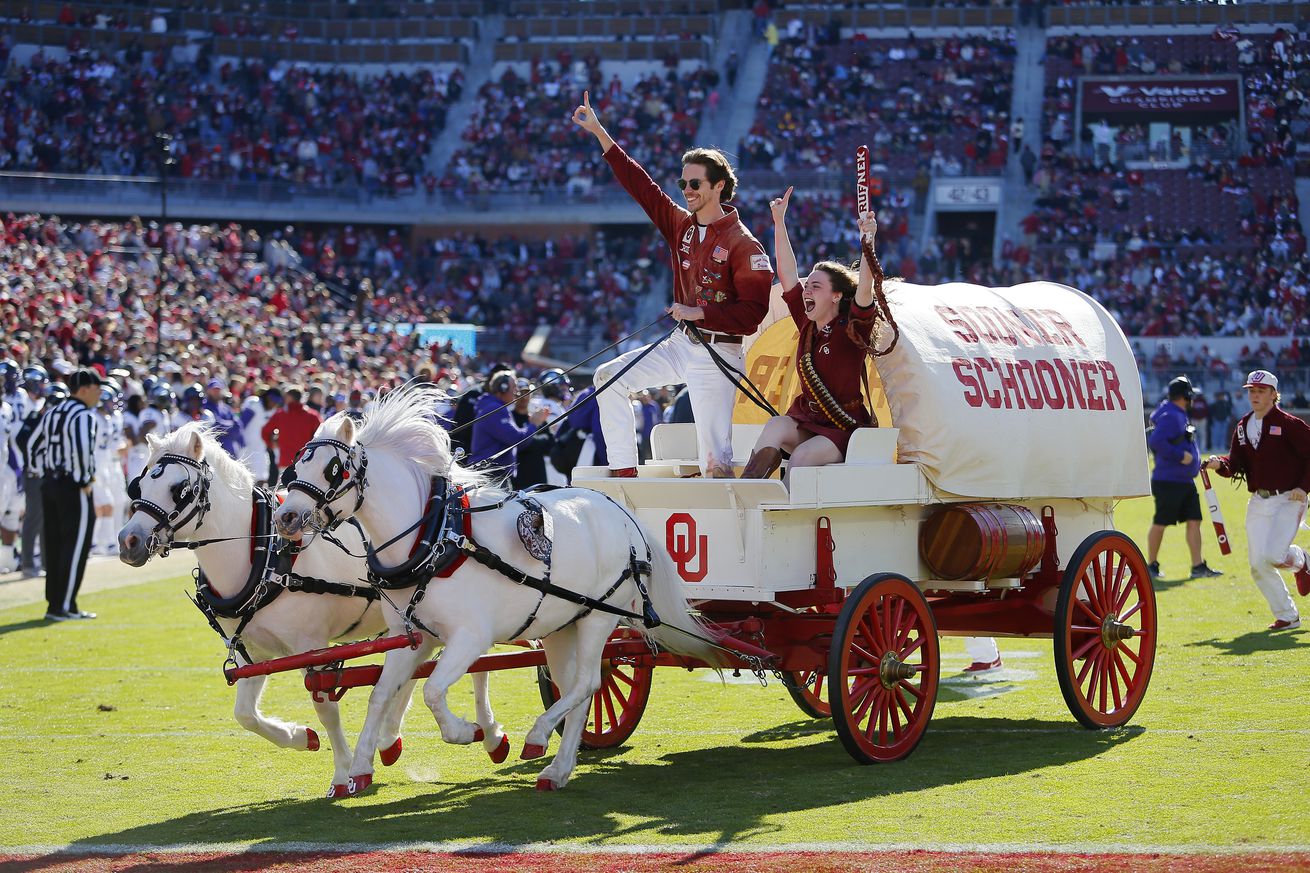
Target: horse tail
[{"x": 681, "y": 631}]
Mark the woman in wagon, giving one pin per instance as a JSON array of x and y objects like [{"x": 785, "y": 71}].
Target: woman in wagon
[{"x": 838, "y": 314}]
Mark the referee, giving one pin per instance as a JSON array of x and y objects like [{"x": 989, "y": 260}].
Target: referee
[{"x": 67, "y": 442}]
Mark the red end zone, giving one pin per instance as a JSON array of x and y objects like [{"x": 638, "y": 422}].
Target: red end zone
[{"x": 633, "y": 862}]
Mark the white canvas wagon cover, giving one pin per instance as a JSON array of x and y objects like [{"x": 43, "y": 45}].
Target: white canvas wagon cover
[{"x": 1006, "y": 393}]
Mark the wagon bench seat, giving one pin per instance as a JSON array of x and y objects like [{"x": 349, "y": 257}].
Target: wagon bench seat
[{"x": 869, "y": 476}]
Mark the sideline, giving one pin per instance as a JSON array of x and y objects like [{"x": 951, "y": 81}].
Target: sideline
[
  {"x": 636, "y": 849},
  {"x": 102, "y": 574}
]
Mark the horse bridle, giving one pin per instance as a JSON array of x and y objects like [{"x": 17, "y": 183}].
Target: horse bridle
[
  {"x": 341, "y": 476},
  {"x": 193, "y": 494}
]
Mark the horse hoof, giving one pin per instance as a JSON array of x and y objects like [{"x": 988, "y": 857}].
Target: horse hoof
[
  {"x": 311, "y": 740},
  {"x": 391, "y": 753},
  {"x": 546, "y": 785},
  {"x": 501, "y": 752},
  {"x": 531, "y": 750},
  {"x": 358, "y": 784},
  {"x": 478, "y": 735},
  {"x": 338, "y": 791}
]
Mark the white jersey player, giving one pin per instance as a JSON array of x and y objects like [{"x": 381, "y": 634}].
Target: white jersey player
[
  {"x": 255, "y": 413},
  {"x": 109, "y": 492},
  {"x": 11, "y": 477}
]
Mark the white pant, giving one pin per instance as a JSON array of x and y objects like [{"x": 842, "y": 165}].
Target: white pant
[
  {"x": 11, "y": 501},
  {"x": 673, "y": 360},
  {"x": 1271, "y": 525},
  {"x": 982, "y": 649},
  {"x": 256, "y": 458}
]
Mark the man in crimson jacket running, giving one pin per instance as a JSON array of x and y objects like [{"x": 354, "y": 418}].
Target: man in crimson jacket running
[
  {"x": 721, "y": 280},
  {"x": 1271, "y": 451}
]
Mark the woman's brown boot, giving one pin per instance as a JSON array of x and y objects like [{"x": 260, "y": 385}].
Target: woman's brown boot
[{"x": 762, "y": 463}]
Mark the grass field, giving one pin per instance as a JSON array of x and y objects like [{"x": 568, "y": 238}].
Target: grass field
[{"x": 122, "y": 735}]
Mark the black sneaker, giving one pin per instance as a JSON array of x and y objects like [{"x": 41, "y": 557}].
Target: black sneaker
[
  {"x": 1154, "y": 569},
  {"x": 57, "y": 616},
  {"x": 1204, "y": 571}
]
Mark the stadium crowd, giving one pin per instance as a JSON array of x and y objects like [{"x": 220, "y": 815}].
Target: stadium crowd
[
  {"x": 520, "y": 139},
  {"x": 1271, "y": 66},
  {"x": 250, "y": 333},
  {"x": 247, "y": 122},
  {"x": 942, "y": 103}
]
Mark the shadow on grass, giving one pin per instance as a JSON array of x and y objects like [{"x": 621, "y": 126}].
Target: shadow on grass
[
  {"x": 1168, "y": 584},
  {"x": 705, "y": 795},
  {"x": 1255, "y": 641},
  {"x": 24, "y": 625}
]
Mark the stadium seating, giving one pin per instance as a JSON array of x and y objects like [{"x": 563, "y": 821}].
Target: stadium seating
[
  {"x": 520, "y": 137},
  {"x": 277, "y": 300},
  {"x": 332, "y": 127},
  {"x": 937, "y": 101}
]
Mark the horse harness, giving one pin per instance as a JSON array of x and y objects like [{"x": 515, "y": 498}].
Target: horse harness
[
  {"x": 192, "y": 494},
  {"x": 341, "y": 476},
  {"x": 271, "y": 557},
  {"x": 272, "y": 560},
  {"x": 446, "y": 541}
]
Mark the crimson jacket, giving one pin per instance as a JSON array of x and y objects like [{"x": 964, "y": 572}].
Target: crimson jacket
[
  {"x": 727, "y": 274},
  {"x": 294, "y": 426},
  {"x": 1282, "y": 460}
]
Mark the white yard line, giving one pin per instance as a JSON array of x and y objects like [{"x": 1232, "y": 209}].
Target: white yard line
[
  {"x": 662, "y": 848},
  {"x": 818, "y": 729}
]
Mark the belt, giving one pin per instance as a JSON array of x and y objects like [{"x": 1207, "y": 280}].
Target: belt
[
  {"x": 723, "y": 339},
  {"x": 1266, "y": 493}
]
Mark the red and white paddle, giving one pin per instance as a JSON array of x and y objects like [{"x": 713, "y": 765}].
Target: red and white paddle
[{"x": 1215, "y": 514}]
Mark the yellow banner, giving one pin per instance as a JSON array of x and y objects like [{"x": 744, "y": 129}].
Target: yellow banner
[{"x": 771, "y": 366}]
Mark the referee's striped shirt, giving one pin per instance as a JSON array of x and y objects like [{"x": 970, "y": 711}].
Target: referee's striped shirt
[{"x": 67, "y": 437}]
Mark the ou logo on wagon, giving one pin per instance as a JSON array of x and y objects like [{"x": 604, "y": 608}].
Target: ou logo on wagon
[{"x": 684, "y": 547}]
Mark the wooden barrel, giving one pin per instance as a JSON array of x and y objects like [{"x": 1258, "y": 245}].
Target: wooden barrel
[{"x": 982, "y": 541}]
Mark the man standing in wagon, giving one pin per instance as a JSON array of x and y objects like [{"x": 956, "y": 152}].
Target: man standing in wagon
[{"x": 721, "y": 281}]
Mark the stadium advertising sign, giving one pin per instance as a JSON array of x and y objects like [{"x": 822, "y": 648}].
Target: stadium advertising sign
[
  {"x": 462, "y": 337},
  {"x": 1156, "y": 94}
]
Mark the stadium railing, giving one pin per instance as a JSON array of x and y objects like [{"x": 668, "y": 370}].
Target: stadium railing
[
  {"x": 249, "y": 47},
  {"x": 627, "y": 50},
  {"x": 877, "y": 17},
  {"x": 344, "y": 53},
  {"x": 85, "y": 194},
  {"x": 595, "y": 27},
  {"x": 1172, "y": 14},
  {"x": 594, "y": 8}
]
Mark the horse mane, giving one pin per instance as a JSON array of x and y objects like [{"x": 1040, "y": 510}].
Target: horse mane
[
  {"x": 405, "y": 423},
  {"x": 231, "y": 471}
]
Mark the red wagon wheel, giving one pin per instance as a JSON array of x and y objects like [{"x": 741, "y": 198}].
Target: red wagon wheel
[
  {"x": 883, "y": 667},
  {"x": 806, "y": 688},
  {"x": 615, "y": 709},
  {"x": 1105, "y": 631}
]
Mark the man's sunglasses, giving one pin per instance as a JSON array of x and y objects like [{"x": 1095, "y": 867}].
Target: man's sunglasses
[{"x": 693, "y": 184}]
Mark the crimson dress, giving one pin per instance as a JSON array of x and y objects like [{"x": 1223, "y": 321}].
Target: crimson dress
[{"x": 837, "y": 362}]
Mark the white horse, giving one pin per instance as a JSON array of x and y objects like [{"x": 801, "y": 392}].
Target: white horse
[
  {"x": 188, "y": 469},
  {"x": 399, "y": 447}
]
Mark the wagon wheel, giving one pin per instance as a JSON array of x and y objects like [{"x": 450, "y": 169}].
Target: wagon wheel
[
  {"x": 883, "y": 667},
  {"x": 615, "y": 709},
  {"x": 806, "y": 688},
  {"x": 1105, "y": 635}
]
